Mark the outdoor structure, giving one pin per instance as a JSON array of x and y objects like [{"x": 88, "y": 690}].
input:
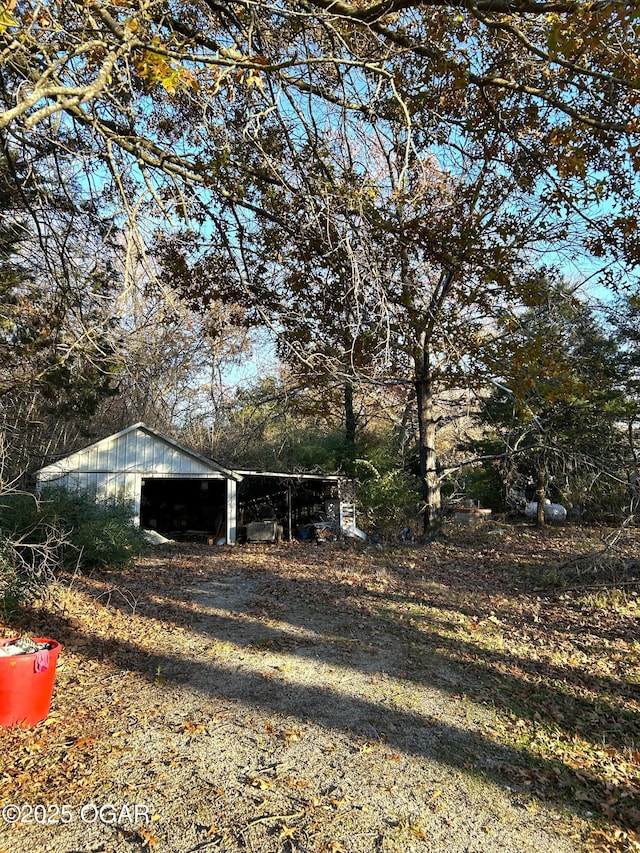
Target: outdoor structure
[
  {"x": 302, "y": 505},
  {"x": 182, "y": 494},
  {"x": 170, "y": 488}
]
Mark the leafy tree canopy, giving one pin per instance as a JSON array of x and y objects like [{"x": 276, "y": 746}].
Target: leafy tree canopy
[
  {"x": 152, "y": 94},
  {"x": 561, "y": 402}
]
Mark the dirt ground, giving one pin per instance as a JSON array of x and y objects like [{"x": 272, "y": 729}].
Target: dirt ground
[{"x": 281, "y": 698}]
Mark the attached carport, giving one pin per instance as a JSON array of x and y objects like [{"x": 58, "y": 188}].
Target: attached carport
[{"x": 293, "y": 500}]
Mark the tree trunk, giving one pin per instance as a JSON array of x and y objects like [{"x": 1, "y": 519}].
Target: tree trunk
[
  {"x": 427, "y": 423},
  {"x": 351, "y": 423},
  {"x": 402, "y": 433},
  {"x": 541, "y": 493}
]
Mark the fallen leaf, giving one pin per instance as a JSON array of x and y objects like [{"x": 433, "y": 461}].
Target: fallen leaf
[{"x": 261, "y": 783}]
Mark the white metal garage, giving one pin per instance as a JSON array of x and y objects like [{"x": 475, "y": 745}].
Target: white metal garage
[{"x": 156, "y": 475}]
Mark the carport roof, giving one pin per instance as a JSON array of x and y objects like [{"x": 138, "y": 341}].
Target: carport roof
[{"x": 307, "y": 475}]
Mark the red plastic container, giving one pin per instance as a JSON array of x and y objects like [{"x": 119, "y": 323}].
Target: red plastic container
[{"x": 25, "y": 693}]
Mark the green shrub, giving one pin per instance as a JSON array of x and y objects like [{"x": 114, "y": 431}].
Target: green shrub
[
  {"x": 388, "y": 500},
  {"x": 100, "y": 533},
  {"x": 107, "y": 539},
  {"x": 57, "y": 530}
]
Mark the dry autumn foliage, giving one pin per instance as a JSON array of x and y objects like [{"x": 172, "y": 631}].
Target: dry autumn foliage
[{"x": 334, "y": 698}]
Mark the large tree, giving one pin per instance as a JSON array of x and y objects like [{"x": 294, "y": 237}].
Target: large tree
[
  {"x": 560, "y": 401},
  {"x": 151, "y": 94},
  {"x": 375, "y": 264},
  {"x": 219, "y": 117}
]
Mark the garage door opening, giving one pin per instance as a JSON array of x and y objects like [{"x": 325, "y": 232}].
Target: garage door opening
[{"x": 184, "y": 509}]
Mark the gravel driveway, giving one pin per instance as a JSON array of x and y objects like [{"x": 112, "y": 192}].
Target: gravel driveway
[{"x": 259, "y": 700}]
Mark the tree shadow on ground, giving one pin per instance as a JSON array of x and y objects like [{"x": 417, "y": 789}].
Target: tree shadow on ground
[
  {"x": 423, "y": 648},
  {"x": 413, "y": 733},
  {"x": 420, "y": 653}
]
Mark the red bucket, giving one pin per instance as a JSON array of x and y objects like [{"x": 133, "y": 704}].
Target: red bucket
[{"x": 26, "y": 685}]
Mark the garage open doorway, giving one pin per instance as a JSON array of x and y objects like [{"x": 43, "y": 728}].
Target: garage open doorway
[{"x": 184, "y": 509}]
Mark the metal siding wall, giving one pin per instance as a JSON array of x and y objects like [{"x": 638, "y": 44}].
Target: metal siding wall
[
  {"x": 115, "y": 454},
  {"x": 115, "y": 486},
  {"x": 135, "y": 485},
  {"x": 148, "y": 453},
  {"x": 174, "y": 461},
  {"x": 136, "y": 452},
  {"x": 73, "y": 481},
  {"x": 100, "y": 457}
]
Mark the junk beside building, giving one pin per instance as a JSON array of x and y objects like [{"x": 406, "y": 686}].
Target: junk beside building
[
  {"x": 264, "y": 531},
  {"x": 552, "y": 512},
  {"x": 471, "y": 513}
]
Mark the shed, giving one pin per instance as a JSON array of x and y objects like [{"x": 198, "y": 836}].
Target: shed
[
  {"x": 171, "y": 488},
  {"x": 296, "y": 501}
]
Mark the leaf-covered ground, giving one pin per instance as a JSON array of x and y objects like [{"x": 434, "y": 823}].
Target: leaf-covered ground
[{"x": 480, "y": 693}]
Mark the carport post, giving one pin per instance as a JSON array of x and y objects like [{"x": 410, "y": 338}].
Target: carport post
[
  {"x": 290, "y": 511},
  {"x": 232, "y": 498}
]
